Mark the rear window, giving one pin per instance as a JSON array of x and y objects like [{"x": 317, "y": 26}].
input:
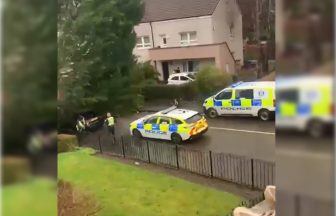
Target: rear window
[
  {"x": 191, "y": 76},
  {"x": 194, "y": 118}
]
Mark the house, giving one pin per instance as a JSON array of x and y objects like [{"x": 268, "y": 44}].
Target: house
[{"x": 185, "y": 35}]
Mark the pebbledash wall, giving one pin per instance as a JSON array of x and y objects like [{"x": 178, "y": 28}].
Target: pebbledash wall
[{"x": 219, "y": 39}]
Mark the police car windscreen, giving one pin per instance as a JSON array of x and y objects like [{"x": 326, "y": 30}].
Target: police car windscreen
[{"x": 194, "y": 118}]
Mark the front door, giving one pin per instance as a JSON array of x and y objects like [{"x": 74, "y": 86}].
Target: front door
[
  {"x": 165, "y": 71},
  {"x": 223, "y": 103}
]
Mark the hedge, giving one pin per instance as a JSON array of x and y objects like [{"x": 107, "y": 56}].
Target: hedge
[
  {"x": 15, "y": 169},
  {"x": 66, "y": 143},
  {"x": 186, "y": 92}
]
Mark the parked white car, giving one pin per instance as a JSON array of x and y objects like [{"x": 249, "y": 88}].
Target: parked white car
[{"x": 180, "y": 78}]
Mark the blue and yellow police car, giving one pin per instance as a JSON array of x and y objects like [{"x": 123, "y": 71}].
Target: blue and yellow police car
[{"x": 172, "y": 124}]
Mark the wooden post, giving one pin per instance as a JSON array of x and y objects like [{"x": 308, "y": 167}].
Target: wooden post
[
  {"x": 100, "y": 148},
  {"x": 211, "y": 169},
  {"x": 252, "y": 172},
  {"x": 122, "y": 146},
  {"x": 148, "y": 151},
  {"x": 177, "y": 161}
]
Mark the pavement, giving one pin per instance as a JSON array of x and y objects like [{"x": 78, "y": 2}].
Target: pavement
[{"x": 247, "y": 136}]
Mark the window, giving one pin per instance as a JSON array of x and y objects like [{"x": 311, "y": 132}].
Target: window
[
  {"x": 175, "y": 78},
  {"x": 191, "y": 76},
  {"x": 152, "y": 120},
  {"x": 183, "y": 78},
  {"x": 163, "y": 40},
  {"x": 224, "y": 95},
  {"x": 290, "y": 95},
  {"x": 164, "y": 120},
  {"x": 176, "y": 121},
  {"x": 143, "y": 42},
  {"x": 188, "y": 38},
  {"x": 246, "y": 93},
  {"x": 194, "y": 118},
  {"x": 190, "y": 66}
]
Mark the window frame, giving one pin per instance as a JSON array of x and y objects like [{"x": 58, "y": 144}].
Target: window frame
[
  {"x": 152, "y": 118},
  {"x": 188, "y": 41},
  {"x": 238, "y": 91},
  {"x": 224, "y": 91},
  {"x": 163, "y": 41},
  {"x": 143, "y": 44},
  {"x": 166, "y": 118}
]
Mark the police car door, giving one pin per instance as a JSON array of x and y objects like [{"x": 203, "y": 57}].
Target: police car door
[
  {"x": 242, "y": 104},
  {"x": 222, "y": 102},
  {"x": 151, "y": 127},
  {"x": 164, "y": 123}
]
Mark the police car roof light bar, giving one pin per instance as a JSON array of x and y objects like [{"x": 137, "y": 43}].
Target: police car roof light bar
[
  {"x": 168, "y": 110},
  {"x": 237, "y": 84}
]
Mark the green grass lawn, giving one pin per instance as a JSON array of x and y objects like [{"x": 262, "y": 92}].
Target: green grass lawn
[
  {"x": 125, "y": 190},
  {"x": 36, "y": 197}
]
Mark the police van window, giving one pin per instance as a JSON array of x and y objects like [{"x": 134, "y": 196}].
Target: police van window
[
  {"x": 245, "y": 93},
  {"x": 176, "y": 121},
  {"x": 164, "y": 120},
  {"x": 152, "y": 120},
  {"x": 225, "y": 95},
  {"x": 289, "y": 95}
]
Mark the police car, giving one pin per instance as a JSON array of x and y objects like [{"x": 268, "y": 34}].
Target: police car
[
  {"x": 305, "y": 104},
  {"x": 243, "y": 98},
  {"x": 171, "y": 124}
]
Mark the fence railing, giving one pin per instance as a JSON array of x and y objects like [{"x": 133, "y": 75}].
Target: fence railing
[{"x": 241, "y": 170}]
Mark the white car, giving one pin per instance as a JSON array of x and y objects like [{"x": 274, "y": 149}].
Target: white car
[{"x": 180, "y": 78}]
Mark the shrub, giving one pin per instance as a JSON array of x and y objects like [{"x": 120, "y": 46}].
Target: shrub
[
  {"x": 186, "y": 92},
  {"x": 66, "y": 143},
  {"x": 15, "y": 169},
  {"x": 210, "y": 79}
]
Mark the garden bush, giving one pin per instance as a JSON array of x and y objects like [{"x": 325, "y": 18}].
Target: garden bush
[
  {"x": 210, "y": 79},
  {"x": 186, "y": 92},
  {"x": 66, "y": 143},
  {"x": 15, "y": 169}
]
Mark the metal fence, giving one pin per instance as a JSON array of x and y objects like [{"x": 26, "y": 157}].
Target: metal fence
[{"x": 241, "y": 170}]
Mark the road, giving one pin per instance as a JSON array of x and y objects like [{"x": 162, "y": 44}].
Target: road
[{"x": 246, "y": 136}]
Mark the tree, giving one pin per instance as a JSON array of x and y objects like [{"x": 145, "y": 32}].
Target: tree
[
  {"x": 30, "y": 69},
  {"x": 96, "y": 40}
]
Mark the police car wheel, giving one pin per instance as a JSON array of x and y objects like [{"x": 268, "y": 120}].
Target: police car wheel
[
  {"x": 316, "y": 129},
  {"x": 212, "y": 113},
  {"x": 176, "y": 139},
  {"x": 264, "y": 115},
  {"x": 136, "y": 133}
]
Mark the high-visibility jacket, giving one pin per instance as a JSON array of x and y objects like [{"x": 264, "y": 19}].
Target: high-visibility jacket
[
  {"x": 80, "y": 126},
  {"x": 110, "y": 121}
]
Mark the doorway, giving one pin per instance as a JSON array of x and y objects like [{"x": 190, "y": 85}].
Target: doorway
[{"x": 165, "y": 71}]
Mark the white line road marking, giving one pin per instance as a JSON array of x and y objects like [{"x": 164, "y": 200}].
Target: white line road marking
[{"x": 246, "y": 131}]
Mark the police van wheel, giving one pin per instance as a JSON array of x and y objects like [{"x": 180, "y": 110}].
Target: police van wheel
[
  {"x": 136, "y": 133},
  {"x": 264, "y": 115},
  {"x": 176, "y": 139},
  {"x": 212, "y": 113},
  {"x": 316, "y": 129}
]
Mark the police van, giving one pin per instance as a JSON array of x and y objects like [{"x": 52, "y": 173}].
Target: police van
[
  {"x": 305, "y": 104},
  {"x": 243, "y": 98},
  {"x": 171, "y": 124}
]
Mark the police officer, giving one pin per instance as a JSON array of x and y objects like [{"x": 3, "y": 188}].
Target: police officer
[
  {"x": 80, "y": 126},
  {"x": 109, "y": 121}
]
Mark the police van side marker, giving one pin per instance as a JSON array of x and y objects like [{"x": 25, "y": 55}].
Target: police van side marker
[{"x": 246, "y": 131}]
